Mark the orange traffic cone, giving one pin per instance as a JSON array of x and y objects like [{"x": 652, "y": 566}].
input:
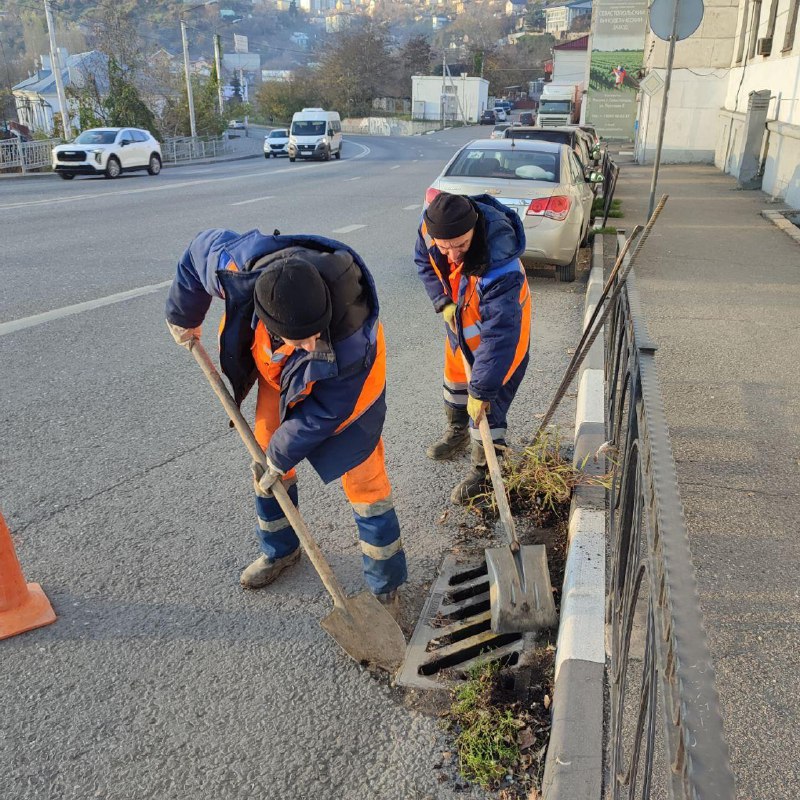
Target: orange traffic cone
[{"x": 22, "y": 606}]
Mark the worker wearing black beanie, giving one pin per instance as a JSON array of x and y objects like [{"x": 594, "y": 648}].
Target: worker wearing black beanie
[
  {"x": 468, "y": 256},
  {"x": 292, "y": 300}
]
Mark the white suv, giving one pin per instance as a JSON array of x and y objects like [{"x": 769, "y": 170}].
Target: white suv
[{"x": 109, "y": 152}]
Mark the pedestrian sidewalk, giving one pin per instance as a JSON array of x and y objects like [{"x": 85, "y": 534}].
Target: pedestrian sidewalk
[{"x": 720, "y": 291}]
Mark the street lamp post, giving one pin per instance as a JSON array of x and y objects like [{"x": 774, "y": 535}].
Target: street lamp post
[{"x": 189, "y": 95}]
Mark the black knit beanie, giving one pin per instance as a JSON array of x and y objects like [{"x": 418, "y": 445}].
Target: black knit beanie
[
  {"x": 292, "y": 299},
  {"x": 450, "y": 216}
]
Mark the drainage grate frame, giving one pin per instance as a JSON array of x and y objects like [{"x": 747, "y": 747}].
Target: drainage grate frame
[{"x": 454, "y": 632}]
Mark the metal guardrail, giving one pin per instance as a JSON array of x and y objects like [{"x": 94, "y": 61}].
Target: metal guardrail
[
  {"x": 16, "y": 155},
  {"x": 671, "y": 708},
  {"x": 187, "y": 148}
]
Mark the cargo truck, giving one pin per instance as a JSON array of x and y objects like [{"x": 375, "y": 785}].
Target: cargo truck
[{"x": 560, "y": 104}]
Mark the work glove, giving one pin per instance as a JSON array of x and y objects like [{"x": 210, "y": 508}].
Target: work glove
[
  {"x": 476, "y": 408},
  {"x": 449, "y": 314},
  {"x": 264, "y": 480},
  {"x": 185, "y": 337}
]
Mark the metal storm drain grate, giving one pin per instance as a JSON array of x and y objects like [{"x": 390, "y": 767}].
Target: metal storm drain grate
[{"x": 454, "y": 630}]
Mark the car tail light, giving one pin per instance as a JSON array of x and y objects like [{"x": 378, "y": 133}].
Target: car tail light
[
  {"x": 555, "y": 207},
  {"x": 430, "y": 194}
]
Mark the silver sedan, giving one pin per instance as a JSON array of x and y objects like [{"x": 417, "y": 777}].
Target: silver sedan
[{"x": 543, "y": 182}]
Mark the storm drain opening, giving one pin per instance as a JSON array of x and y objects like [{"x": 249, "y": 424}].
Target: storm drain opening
[{"x": 454, "y": 632}]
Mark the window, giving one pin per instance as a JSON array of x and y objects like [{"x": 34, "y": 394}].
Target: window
[
  {"x": 791, "y": 26},
  {"x": 755, "y": 20},
  {"x": 506, "y": 164}
]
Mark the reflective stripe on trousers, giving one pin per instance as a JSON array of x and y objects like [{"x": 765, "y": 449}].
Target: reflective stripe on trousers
[{"x": 369, "y": 492}]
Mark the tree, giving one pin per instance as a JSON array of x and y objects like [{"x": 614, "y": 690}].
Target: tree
[
  {"x": 124, "y": 105},
  {"x": 236, "y": 85},
  {"x": 293, "y": 9},
  {"x": 280, "y": 99},
  {"x": 515, "y": 65},
  {"x": 415, "y": 57}
]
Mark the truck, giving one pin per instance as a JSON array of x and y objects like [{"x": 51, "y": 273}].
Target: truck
[{"x": 560, "y": 104}]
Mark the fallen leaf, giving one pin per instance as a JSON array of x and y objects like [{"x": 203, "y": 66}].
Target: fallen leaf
[
  {"x": 525, "y": 739},
  {"x": 547, "y": 701}
]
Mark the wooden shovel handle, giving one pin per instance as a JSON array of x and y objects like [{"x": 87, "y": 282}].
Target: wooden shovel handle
[
  {"x": 495, "y": 472},
  {"x": 278, "y": 490}
]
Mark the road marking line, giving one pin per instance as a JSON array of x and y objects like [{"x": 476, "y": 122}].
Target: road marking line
[
  {"x": 254, "y": 200},
  {"x": 48, "y": 316},
  {"x": 396, "y": 166},
  {"x": 183, "y": 184},
  {"x": 349, "y": 228},
  {"x": 357, "y": 178},
  {"x": 411, "y": 208}
]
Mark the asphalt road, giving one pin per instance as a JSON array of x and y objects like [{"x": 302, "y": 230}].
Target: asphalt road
[{"x": 130, "y": 499}]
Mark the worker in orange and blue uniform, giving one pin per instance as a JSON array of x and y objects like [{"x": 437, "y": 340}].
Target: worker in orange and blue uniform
[
  {"x": 468, "y": 256},
  {"x": 301, "y": 318}
]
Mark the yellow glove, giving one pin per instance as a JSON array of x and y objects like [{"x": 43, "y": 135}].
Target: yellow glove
[
  {"x": 449, "y": 314},
  {"x": 185, "y": 337},
  {"x": 476, "y": 408}
]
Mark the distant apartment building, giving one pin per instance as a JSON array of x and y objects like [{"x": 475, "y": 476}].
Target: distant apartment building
[
  {"x": 559, "y": 19},
  {"x": 741, "y": 57}
]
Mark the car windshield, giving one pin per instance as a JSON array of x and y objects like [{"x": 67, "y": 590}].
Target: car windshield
[
  {"x": 97, "y": 137},
  {"x": 509, "y": 164},
  {"x": 555, "y": 106},
  {"x": 308, "y": 128},
  {"x": 539, "y": 135},
  {"x": 277, "y": 135}
]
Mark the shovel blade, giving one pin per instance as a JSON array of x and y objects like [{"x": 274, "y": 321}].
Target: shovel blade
[
  {"x": 520, "y": 591},
  {"x": 367, "y": 632}
]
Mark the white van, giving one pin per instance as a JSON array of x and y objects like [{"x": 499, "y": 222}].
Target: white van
[{"x": 315, "y": 133}]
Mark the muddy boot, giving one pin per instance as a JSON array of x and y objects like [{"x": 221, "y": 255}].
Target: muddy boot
[
  {"x": 477, "y": 481},
  {"x": 262, "y": 571},
  {"x": 455, "y": 438}
]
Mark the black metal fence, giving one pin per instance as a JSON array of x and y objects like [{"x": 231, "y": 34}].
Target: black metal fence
[
  {"x": 665, "y": 737},
  {"x": 610, "y": 172}
]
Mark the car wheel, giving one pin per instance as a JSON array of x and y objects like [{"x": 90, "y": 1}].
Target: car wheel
[
  {"x": 291, "y": 159},
  {"x": 67, "y": 176},
  {"x": 339, "y": 153},
  {"x": 154, "y": 165},
  {"x": 113, "y": 168},
  {"x": 566, "y": 272},
  {"x": 327, "y": 156},
  {"x": 266, "y": 155}
]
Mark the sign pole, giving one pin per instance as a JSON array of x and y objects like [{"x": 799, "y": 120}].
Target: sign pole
[{"x": 667, "y": 80}]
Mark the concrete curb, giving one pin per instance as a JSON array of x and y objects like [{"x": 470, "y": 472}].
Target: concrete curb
[
  {"x": 778, "y": 219},
  {"x": 574, "y": 765}
]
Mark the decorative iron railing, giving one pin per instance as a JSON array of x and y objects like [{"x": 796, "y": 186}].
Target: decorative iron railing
[
  {"x": 16, "y": 155},
  {"x": 665, "y": 737},
  {"x": 187, "y": 148}
]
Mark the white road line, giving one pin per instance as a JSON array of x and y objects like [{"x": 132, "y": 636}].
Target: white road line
[
  {"x": 357, "y": 178},
  {"x": 396, "y": 166},
  {"x": 414, "y": 161},
  {"x": 349, "y": 228},
  {"x": 254, "y": 200},
  {"x": 48, "y": 316},
  {"x": 365, "y": 151},
  {"x": 412, "y": 208}
]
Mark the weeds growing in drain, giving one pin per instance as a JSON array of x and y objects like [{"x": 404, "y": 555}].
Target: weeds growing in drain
[
  {"x": 540, "y": 481},
  {"x": 615, "y": 211},
  {"x": 487, "y": 736}
]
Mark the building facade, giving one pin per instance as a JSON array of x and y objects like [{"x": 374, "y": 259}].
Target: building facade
[
  {"x": 460, "y": 98},
  {"x": 571, "y": 61},
  {"x": 738, "y": 50},
  {"x": 559, "y": 19}
]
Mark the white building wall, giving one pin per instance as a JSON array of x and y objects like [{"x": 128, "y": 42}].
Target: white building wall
[
  {"x": 569, "y": 66},
  {"x": 426, "y": 94}
]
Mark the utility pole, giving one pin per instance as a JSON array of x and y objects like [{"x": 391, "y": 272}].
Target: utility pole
[
  {"x": 444, "y": 95},
  {"x": 218, "y": 62},
  {"x": 667, "y": 80},
  {"x": 55, "y": 63},
  {"x": 188, "y": 77}
]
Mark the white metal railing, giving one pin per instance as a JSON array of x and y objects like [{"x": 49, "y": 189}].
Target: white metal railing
[
  {"x": 187, "y": 148},
  {"x": 16, "y": 155}
]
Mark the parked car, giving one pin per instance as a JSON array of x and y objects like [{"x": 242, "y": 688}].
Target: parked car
[
  {"x": 237, "y": 125},
  {"x": 542, "y": 181},
  {"x": 571, "y": 135},
  {"x": 499, "y": 131},
  {"x": 526, "y": 118},
  {"x": 500, "y": 113},
  {"x": 276, "y": 143},
  {"x": 109, "y": 152},
  {"x": 488, "y": 117}
]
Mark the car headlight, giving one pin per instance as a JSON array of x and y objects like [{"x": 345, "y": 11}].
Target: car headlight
[{"x": 323, "y": 140}]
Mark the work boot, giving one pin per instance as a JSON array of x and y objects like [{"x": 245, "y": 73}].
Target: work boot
[
  {"x": 477, "y": 481},
  {"x": 391, "y": 602},
  {"x": 262, "y": 571},
  {"x": 455, "y": 438}
]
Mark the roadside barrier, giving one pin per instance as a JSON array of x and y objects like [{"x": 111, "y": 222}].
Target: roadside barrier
[{"x": 23, "y": 606}]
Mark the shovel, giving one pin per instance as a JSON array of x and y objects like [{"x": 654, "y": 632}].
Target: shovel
[
  {"x": 360, "y": 625},
  {"x": 520, "y": 591}
]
